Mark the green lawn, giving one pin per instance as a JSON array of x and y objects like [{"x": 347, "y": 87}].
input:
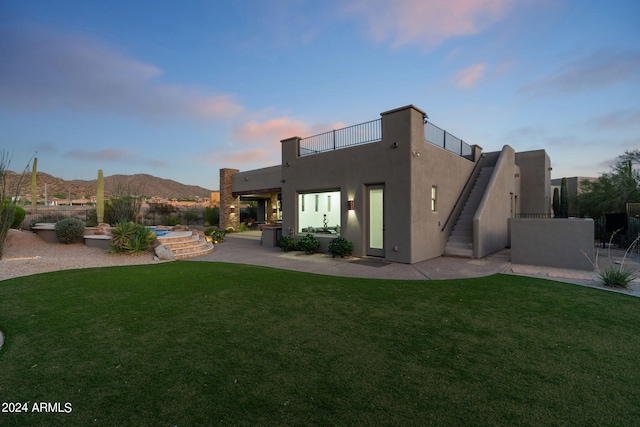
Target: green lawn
[{"x": 195, "y": 343}]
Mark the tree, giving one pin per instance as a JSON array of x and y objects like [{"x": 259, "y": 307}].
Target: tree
[
  {"x": 8, "y": 196},
  {"x": 556, "y": 203},
  {"x": 564, "y": 198},
  {"x": 613, "y": 190}
]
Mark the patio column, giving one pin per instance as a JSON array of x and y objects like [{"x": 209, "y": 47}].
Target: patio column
[
  {"x": 272, "y": 208},
  {"x": 229, "y": 213}
]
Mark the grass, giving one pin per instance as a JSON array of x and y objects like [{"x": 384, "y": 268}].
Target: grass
[{"x": 193, "y": 343}]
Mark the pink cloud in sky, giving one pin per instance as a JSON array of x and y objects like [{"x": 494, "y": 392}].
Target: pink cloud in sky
[
  {"x": 427, "y": 22},
  {"x": 273, "y": 129},
  {"x": 469, "y": 77}
]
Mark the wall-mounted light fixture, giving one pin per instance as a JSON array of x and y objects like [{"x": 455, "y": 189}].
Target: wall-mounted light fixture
[
  {"x": 232, "y": 209},
  {"x": 415, "y": 153},
  {"x": 395, "y": 145},
  {"x": 246, "y": 178},
  {"x": 275, "y": 211},
  {"x": 351, "y": 205}
]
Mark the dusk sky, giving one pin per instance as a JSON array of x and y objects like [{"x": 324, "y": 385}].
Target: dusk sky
[{"x": 181, "y": 89}]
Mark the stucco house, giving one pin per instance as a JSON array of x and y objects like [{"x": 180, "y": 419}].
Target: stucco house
[{"x": 397, "y": 187}]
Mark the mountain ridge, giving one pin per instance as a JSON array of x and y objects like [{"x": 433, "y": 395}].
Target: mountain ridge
[{"x": 137, "y": 184}]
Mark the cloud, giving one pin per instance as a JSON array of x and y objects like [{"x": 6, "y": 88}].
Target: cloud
[
  {"x": 427, "y": 22},
  {"x": 41, "y": 69},
  {"x": 273, "y": 129},
  {"x": 617, "y": 119},
  {"x": 469, "y": 77},
  {"x": 598, "y": 70},
  {"x": 108, "y": 155}
]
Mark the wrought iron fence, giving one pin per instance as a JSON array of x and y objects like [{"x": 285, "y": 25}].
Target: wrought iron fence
[
  {"x": 183, "y": 216},
  {"x": 341, "y": 138},
  {"x": 437, "y": 136}
]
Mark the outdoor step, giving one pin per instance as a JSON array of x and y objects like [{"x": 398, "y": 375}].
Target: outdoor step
[
  {"x": 462, "y": 233},
  {"x": 203, "y": 251},
  {"x": 461, "y": 239},
  {"x": 193, "y": 247},
  {"x": 465, "y": 253},
  {"x": 182, "y": 242},
  {"x": 459, "y": 245}
]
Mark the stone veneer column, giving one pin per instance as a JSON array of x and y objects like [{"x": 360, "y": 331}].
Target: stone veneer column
[
  {"x": 272, "y": 205},
  {"x": 228, "y": 201}
]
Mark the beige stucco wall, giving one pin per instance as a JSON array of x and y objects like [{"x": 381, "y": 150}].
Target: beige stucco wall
[
  {"x": 560, "y": 243},
  {"x": 535, "y": 175},
  {"x": 490, "y": 228},
  {"x": 258, "y": 179},
  {"x": 405, "y": 164}
]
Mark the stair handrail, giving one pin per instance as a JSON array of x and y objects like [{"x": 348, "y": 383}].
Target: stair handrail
[{"x": 464, "y": 191}]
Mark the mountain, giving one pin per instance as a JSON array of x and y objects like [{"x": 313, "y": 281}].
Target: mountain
[{"x": 139, "y": 184}]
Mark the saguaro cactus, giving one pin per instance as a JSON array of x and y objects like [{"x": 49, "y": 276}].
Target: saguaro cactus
[
  {"x": 34, "y": 185},
  {"x": 100, "y": 198}
]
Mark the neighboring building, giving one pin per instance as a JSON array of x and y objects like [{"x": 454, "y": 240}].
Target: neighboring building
[
  {"x": 397, "y": 187},
  {"x": 574, "y": 188}
]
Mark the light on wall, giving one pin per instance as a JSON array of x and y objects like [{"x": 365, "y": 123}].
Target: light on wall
[
  {"x": 415, "y": 153},
  {"x": 233, "y": 209},
  {"x": 351, "y": 205}
]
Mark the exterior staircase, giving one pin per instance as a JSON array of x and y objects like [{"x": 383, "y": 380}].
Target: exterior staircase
[
  {"x": 186, "y": 244},
  {"x": 460, "y": 241}
]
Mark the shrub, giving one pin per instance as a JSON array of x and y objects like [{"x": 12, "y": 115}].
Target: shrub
[
  {"x": 217, "y": 235},
  {"x": 131, "y": 238},
  {"x": 211, "y": 216},
  {"x": 340, "y": 247},
  {"x": 308, "y": 244},
  {"x": 69, "y": 229},
  {"x": 287, "y": 243},
  {"x": 617, "y": 277},
  {"x": 229, "y": 230},
  {"x": 18, "y": 216},
  {"x": 190, "y": 216},
  {"x": 170, "y": 221}
]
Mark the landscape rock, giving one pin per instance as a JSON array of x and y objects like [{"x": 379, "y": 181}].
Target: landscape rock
[{"x": 164, "y": 253}]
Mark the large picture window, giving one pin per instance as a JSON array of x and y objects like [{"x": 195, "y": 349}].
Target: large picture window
[{"x": 323, "y": 217}]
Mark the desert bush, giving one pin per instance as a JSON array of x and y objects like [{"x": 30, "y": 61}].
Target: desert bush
[
  {"x": 287, "y": 243},
  {"x": 340, "y": 247},
  {"x": 229, "y": 230},
  {"x": 69, "y": 229},
  {"x": 189, "y": 216},
  {"x": 211, "y": 216},
  {"x": 128, "y": 237},
  {"x": 308, "y": 244},
  {"x": 617, "y": 276},
  {"x": 17, "y": 216},
  {"x": 215, "y": 234}
]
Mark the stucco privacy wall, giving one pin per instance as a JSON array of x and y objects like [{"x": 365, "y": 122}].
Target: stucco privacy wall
[
  {"x": 490, "y": 227},
  {"x": 560, "y": 243},
  {"x": 535, "y": 172},
  {"x": 404, "y": 163}
]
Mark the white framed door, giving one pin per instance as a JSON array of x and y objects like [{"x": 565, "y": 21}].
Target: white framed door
[{"x": 375, "y": 223}]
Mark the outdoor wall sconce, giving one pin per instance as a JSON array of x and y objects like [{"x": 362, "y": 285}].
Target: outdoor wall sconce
[
  {"x": 275, "y": 211},
  {"x": 233, "y": 209},
  {"x": 395, "y": 145},
  {"x": 415, "y": 153},
  {"x": 246, "y": 178},
  {"x": 351, "y": 205}
]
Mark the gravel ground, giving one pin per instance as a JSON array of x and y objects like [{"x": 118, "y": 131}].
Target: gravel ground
[{"x": 26, "y": 254}]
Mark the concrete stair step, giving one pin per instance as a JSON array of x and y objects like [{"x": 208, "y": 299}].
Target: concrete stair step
[
  {"x": 459, "y": 245},
  {"x": 458, "y": 252},
  {"x": 461, "y": 239}
]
